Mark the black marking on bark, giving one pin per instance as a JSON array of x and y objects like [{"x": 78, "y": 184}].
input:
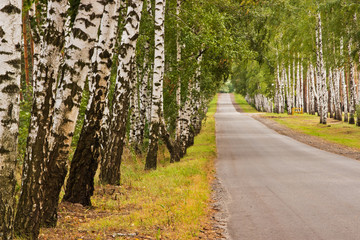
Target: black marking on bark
[
  {"x": 2, "y": 33},
  {"x": 91, "y": 52},
  {"x": 11, "y": 89},
  {"x": 105, "y": 54},
  {"x": 7, "y": 122},
  {"x": 10, "y": 9},
  {"x": 5, "y": 53},
  {"x": 51, "y": 11},
  {"x": 10, "y": 110},
  {"x": 15, "y": 63},
  {"x": 81, "y": 64},
  {"x": 86, "y": 7},
  {"x": 78, "y": 33},
  {"x": 4, "y": 151},
  {"x": 87, "y": 22},
  {"x": 5, "y": 77}
]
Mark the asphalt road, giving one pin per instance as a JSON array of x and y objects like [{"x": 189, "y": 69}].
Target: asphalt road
[{"x": 280, "y": 188}]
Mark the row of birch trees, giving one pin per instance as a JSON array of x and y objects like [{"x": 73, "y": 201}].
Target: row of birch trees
[
  {"x": 306, "y": 57},
  {"x": 140, "y": 73}
]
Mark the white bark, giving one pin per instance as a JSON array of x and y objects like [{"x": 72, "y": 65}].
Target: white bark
[
  {"x": 301, "y": 85},
  {"x": 157, "y": 87},
  {"x": 78, "y": 56},
  {"x": 352, "y": 86},
  {"x": 321, "y": 74},
  {"x": 10, "y": 73},
  {"x": 331, "y": 92},
  {"x": 298, "y": 97},
  {"x": 45, "y": 76},
  {"x": 178, "y": 89},
  {"x": 343, "y": 83},
  {"x": 338, "y": 111},
  {"x": 110, "y": 167}
]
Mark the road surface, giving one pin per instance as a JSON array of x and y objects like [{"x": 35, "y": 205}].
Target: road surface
[{"x": 280, "y": 188}]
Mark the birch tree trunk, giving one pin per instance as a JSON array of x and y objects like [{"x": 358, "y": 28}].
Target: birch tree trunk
[
  {"x": 144, "y": 94},
  {"x": 45, "y": 75},
  {"x": 343, "y": 83},
  {"x": 105, "y": 121},
  {"x": 78, "y": 54},
  {"x": 338, "y": 111},
  {"x": 321, "y": 75},
  {"x": 352, "y": 86},
  {"x": 307, "y": 97},
  {"x": 157, "y": 92},
  {"x": 80, "y": 184},
  {"x": 313, "y": 90},
  {"x": 331, "y": 92},
  {"x": 178, "y": 89},
  {"x": 301, "y": 84},
  {"x": 110, "y": 166},
  {"x": 298, "y": 97},
  {"x": 10, "y": 74},
  {"x": 277, "y": 99},
  {"x": 282, "y": 92},
  {"x": 145, "y": 84},
  {"x": 287, "y": 78},
  {"x": 134, "y": 135}
]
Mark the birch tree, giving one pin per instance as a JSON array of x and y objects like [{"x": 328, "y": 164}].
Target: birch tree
[
  {"x": 78, "y": 53},
  {"x": 110, "y": 166},
  {"x": 343, "y": 84},
  {"x": 178, "y": 87},
  {"x": 352, "y": 86},
  {"x": 158, "y": 77},
  {"x": 80, "y": 184},
  {"x": 10, "y": 57},
  {"x": 45, "y": 75},
  {"x": 321, "y": 74}
]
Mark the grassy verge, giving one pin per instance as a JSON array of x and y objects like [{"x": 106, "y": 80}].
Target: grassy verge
[
  {"x": 169, "y": 203},
  {"x": 335, "y": 131},
  {"x": 240, "y": 100}
]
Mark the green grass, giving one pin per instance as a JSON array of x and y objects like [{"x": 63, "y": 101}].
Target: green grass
[
  {"x": 172, "y": 202},
  {"x": 335, "y": 131},
  {"x": 240, "y": 100}
]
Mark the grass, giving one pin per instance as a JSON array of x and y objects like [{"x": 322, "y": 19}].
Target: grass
[
  {"x": 335, "y": 131},
  {"x": 240, "y": 100},
  {"x": 169, "y": 203}
]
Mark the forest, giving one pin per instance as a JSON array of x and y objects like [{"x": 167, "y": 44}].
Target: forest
[
  {"x": 304, "y": 56},
  {"x": 83, "y": 80}
]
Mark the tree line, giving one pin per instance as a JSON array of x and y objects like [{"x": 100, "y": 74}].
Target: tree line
[
  {"x": 303, "y": 55},
  {"x": 90, "y": 78}
]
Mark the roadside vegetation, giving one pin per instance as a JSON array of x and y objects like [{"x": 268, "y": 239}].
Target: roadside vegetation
[
  {"x": 336, "y": 131},
  {"x": 172, "y": 202},
  {"x": 240, "y": 100}
]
